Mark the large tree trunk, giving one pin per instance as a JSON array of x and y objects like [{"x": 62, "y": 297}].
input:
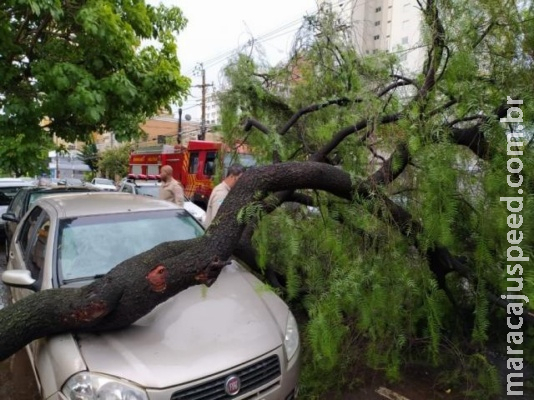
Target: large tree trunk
[{"x": 136, "y": 286}]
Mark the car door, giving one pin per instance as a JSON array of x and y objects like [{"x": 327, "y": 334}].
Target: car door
[
  {"x": 17, "y": 208},
  {"x": 28, "y": 251}
]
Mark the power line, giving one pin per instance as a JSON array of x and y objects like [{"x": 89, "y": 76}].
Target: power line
[{"x": 273, "y": 34}]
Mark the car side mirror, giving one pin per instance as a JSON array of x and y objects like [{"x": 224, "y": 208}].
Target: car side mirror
[
  {"x": 20, "y": 279},
  {"x": 9, "y": 216}
]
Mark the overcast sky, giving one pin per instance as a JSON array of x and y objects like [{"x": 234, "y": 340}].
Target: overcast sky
[{"x": 218, "y": 27}]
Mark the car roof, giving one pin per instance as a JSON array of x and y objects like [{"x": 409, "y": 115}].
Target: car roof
[
  {"x": 15, "y": 182},
  {"x": 139, "y": 182},
  {"x": 60, "y": 189},
  {"x": 101, "y": 203}
]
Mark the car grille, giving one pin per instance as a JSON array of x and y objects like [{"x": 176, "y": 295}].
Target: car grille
[{"x": 252, "y": 377}]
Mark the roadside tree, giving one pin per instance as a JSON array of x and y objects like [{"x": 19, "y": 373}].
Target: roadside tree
[
  {"x": 414, "y": 270},
  {"x": 114, "y": 162},
  {"x": 73, "y": 68},
  {"x": 403, "y": 256},
  {"x": 90, "y": 157}
]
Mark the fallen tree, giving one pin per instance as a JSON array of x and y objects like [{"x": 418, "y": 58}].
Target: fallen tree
[
  {"x": 137, "y": 285},
  {"x": 405, "y": 250}
]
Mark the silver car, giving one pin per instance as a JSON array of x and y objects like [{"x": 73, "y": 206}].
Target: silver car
[
  {"x": 231, "y": 341},
  {"x": 103, "y": 184}
]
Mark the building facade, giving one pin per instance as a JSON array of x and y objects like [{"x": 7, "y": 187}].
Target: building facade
[{"x": 392, "y": 26}]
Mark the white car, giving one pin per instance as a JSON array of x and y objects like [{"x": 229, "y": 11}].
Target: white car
[
  {"x": 230, "y": 341},
  {"x": 104, "y": 184},
  {"x": 151, "y": 188}
]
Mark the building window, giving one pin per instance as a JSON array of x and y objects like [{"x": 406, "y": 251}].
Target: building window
[
  {"x": 377, "y": 23},
  {"x": 405, "y": 40},
  {"x": 375, "y": 51},
  {"x": 376, "y": 37},
  {"x": 378, "y": 9},
  {"x": 403, "y": 57}
]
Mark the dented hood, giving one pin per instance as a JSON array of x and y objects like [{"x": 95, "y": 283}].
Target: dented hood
[{"x": 197, "y": 333}]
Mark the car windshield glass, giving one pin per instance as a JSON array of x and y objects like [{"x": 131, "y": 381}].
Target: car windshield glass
[
  {"x": 7, "y": 194},
  {"x": 93, "y": 245},
  {"x": 152, "y": 191}
]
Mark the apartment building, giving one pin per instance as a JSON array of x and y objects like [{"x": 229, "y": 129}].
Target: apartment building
[
  {"x": 212, "y": 109},
  {"x": 383, "y": 25}
]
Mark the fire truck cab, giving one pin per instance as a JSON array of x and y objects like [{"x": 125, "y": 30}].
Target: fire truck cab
[{"x": 194, "y": 166}]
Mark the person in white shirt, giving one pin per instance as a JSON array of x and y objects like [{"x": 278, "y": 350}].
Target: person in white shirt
[{"x": 220, "y": 192}]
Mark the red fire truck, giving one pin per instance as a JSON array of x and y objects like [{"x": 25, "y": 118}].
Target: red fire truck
[{"x": 194, "y": 166}]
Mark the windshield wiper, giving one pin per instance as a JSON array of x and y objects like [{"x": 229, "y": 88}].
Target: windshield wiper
[{"x": 83, "y": 278}]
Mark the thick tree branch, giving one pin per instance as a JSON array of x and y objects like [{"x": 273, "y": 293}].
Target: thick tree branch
[
  {"x": 472, "y": 138},
  {"x": 315, "y": 107},
  {"x": 340, "y": 102},
  {"x": 342, "y": 134},
  {"x": 392, "y": 167},
  {"x": 156, "y": 275},
  {"x": 252, "y": 123}
]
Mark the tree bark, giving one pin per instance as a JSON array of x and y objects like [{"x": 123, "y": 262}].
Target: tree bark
[{"x": 134, "y": 287}]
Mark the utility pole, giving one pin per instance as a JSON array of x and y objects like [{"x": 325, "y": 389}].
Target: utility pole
[
  {"x": 203, "y": 86},
  {"x": 179, "y": 137},
  {"x": 203, "y": 117}
]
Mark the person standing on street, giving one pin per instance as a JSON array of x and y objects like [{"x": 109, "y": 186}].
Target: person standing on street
[
  {"x": 220, "y": 192},
  {"x": 170, "y": 189}
]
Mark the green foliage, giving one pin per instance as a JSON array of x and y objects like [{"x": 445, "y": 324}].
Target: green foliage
[
  {"x": 74, "y": 68},
  {"x": 113, "y": 163},
  {"x": 21, "y": 155},
  {"x": 374, "y": 291},
  {"x": 89, "y": 155}
]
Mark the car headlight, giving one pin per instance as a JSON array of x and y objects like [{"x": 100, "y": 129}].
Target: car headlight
[
  {"x": 89, "y": 386},
  {"x": 291, "y": 339}
]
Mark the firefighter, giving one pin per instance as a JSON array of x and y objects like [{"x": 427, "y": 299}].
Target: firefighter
[{"x": 170, "y": 189}]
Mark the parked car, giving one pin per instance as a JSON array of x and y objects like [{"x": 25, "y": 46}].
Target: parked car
[
  {"x": 8, "y": 189},
  {"x": 104, "y": 184},
  {"x": 24, "y": 198},
  {"x": 70, "y": 182},
  {"x": 149, "y": 186},
  {"x": 231, "y": 341}
]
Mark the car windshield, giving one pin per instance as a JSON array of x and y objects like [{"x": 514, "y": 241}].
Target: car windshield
[
  {"x": 91, "y": 246},
  {"x": 152, "y": 191},
  {"x": 100, "y": 181},
  {"x": 7, "y": 194}
]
